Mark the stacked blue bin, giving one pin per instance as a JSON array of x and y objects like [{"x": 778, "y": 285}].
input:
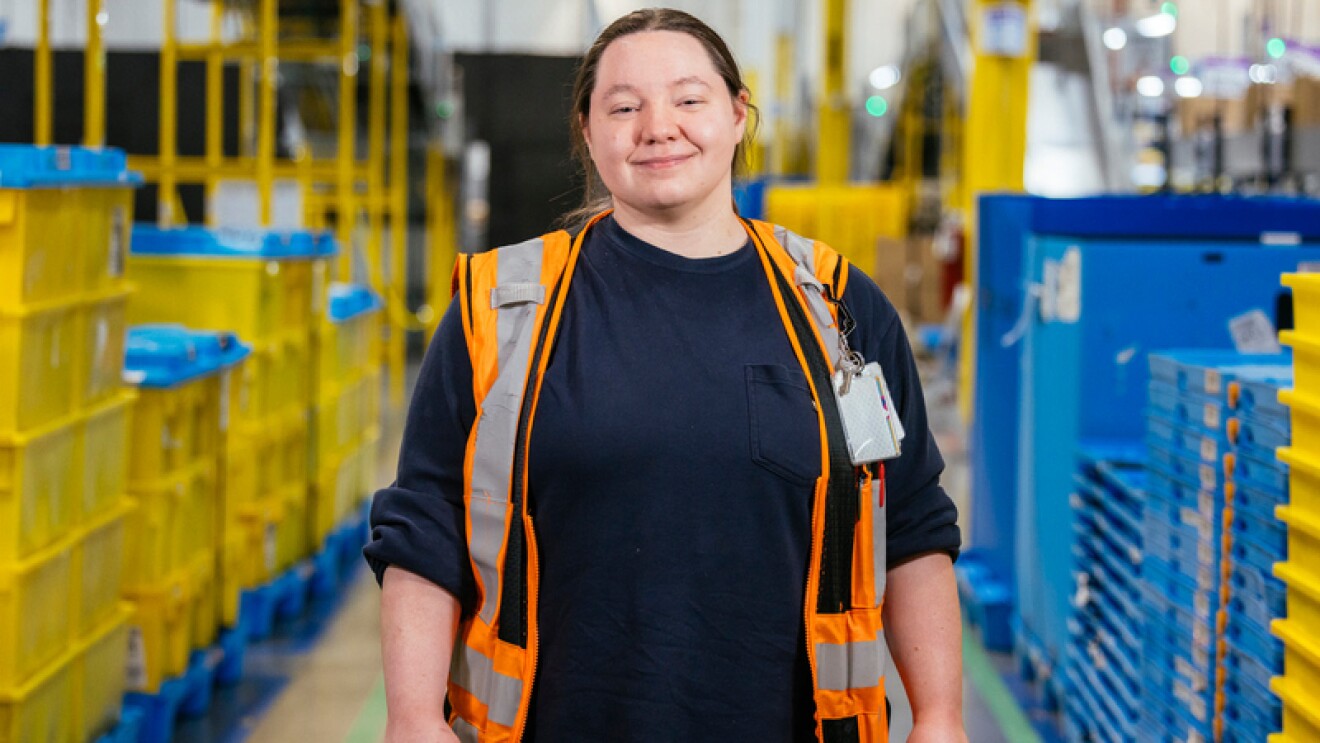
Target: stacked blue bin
[
  {"x": 1195, "y": 469},
  {"x": 1102, "y": 661},
  {"x": 1258, "y": 425}
]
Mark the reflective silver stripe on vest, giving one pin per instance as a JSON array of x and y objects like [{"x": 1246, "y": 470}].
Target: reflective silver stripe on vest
[
  {"x": 803, "y": 253},
  {"x": 476, "y": 673},
  {"x": 497, "y": 427},
  {"x": 465, "y": 732},
  {"x": 879, "y": 542},
  {"x": 853, "y": 665}
]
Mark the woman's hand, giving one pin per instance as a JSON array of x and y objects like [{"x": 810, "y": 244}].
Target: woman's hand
[
  {"x": 938, "y": 732},
  {"x": 398, "y": 731}
]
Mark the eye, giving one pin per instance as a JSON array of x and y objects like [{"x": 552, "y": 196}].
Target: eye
[
  {"x": 624, "y": 109},
  {"x": 692, "y": 101}
]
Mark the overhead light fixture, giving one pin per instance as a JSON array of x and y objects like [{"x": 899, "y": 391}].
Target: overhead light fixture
[
  {"x": 1157, "y": 26},
  {"x": 1188, "y": 87},
  {"x": 1150, "y": 86},
  {"x": 1115, "y": 39},
  {"x": 1263, "y": 74},
  {"x": 886, "y": 77}
]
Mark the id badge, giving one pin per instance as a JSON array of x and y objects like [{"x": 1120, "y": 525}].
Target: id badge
[{"x": 870, "y": 421}]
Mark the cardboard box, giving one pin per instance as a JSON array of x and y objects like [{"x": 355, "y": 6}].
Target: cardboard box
[
  {"x": 891, "y": 262},
  {"x": 925, "y": 282},
  {"x": 1197, "y": 114},
  {"x": 1306, "y": 101}
]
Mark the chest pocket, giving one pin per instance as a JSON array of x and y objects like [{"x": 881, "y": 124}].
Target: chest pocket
[{"x": 785, "y": 431}]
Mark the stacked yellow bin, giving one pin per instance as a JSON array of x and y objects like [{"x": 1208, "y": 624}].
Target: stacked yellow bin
[
  {"x": 171, "y": 569},
  {"x": 63, "y": 424},
  {"x": 345, "y": 418},
  {"x": 1299, "y": 687},
  {"x": 259, "y": 285},
  {"x": 851, "y": 218}
]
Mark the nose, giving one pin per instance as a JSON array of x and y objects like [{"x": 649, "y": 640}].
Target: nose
[{"x": 658, "y": 125}]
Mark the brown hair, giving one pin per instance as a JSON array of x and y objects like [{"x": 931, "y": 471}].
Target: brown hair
[{"x": 596, "y": 197}]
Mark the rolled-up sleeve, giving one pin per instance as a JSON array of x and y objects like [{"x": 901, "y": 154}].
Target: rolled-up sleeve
[
  {"x": 921, "y": 516},
  {"x": 417, "y": 523}
]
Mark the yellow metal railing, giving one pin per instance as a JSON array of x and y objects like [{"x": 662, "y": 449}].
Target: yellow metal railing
[{"x": 353, "y": 190}]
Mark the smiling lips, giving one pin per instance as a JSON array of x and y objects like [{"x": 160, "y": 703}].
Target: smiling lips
[{"x": 663, "y": 163}]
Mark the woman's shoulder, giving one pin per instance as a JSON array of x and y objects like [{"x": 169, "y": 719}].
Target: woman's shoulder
[{"x": 867, "y": 301}]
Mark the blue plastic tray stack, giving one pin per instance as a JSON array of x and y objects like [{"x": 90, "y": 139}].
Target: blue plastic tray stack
[
  {"x": 1196, "y": 469},
  {"x": 1102, "y": 660},
  {"x": 1258, "y": 425}
]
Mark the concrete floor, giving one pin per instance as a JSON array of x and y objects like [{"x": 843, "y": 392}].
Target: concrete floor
[{"x": 321, "y": 681}]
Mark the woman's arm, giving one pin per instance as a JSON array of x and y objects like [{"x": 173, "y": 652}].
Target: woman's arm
[
  {"x": 419, "y": 621},
  {"x": 924, "y": 632}
]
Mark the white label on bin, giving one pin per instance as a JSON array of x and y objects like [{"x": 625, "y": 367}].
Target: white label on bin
[
  {"x": 224, "y": 400},
  {"x": 1253, "y": 332},
  {"x": 1205, "y": 552},
  {"x": 1201, "y": 605},
  {"x": 1004, "y": 30},
  {"x": 117, "y": 225},
  {"x": 1213, "y": 382},
  {"x": 1209, "y": 449},
  {"x": 136, "y": 671},
  {"x": 1210, "y": 416},
  {"x": 1208, "y": 479},
  {"x": 1068, "y": 302}
]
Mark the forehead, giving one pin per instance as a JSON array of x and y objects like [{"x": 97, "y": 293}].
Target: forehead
[{"x": 654, "y": 58}]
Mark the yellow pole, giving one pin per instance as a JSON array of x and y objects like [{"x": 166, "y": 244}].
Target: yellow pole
[
  {"x": 439, "y": 240},
  {"x": 44, "y": 124},
  {"x": 399, "y": 207},
  {"x": 267, "y": 26},
  {"x": 376, "y": 110},
  {"x": 215, "y": 102},
  {"x": 347, "y": 155},
  {"x": 834, "y": 128},
  {"x": 994, "y": 148},
  {"x": 169, "y": 83},
  {"x": 94, "y": 78}
]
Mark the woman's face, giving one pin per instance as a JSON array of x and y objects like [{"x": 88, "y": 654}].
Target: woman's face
[{"x": 662, "y": 128}]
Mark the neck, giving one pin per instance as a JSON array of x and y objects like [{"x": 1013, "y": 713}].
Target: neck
[{"x": 703, "y": 232}]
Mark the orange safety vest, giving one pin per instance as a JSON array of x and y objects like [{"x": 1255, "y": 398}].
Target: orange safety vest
[{"x": 512, "y": 301}]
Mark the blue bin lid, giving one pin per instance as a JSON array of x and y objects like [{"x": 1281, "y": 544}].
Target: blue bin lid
[
  {"x": 28, "y": 166},
  {"x": 223, "y": 242},
  {"x": 160, "y": 356},
  {"x": 347, "y": 301},
  {"x": 326, "y": 244}
]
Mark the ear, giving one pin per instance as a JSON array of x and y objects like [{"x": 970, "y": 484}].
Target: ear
[
  {"x": 740, "y": 110},
  {"x": 585, "y": 122}
]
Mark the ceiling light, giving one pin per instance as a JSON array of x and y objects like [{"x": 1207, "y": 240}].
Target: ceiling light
[
  {"x": 1156, "y": 26},
  {"x": 1188, "y": 87},
  {"x": 883, "y": 78},
  {"x": 1115, "y": 39},
  {"x": 1150, "y": 86}
]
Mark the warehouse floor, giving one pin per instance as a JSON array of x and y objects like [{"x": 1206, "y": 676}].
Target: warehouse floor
[{"x": 320, "y": 679}]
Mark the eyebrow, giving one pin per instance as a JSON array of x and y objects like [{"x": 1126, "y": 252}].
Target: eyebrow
[{"x": 626, "y": 88}]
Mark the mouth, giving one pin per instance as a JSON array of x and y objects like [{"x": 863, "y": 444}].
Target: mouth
[{"x": 663, "y": 163}]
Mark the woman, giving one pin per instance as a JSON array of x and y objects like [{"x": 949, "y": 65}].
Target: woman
[{"x": 625, "y": 509}]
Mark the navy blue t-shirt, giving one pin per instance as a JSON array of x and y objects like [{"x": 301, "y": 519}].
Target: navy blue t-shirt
[{"x": 672, "y": 460}]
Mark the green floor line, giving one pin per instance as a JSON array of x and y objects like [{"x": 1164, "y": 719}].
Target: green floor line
[
  {"x": 369, "y": 727},
  {"x": 976, "y": 664}
]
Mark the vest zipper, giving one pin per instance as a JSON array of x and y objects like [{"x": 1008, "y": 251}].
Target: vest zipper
[{"x": 533, "y": 632}]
